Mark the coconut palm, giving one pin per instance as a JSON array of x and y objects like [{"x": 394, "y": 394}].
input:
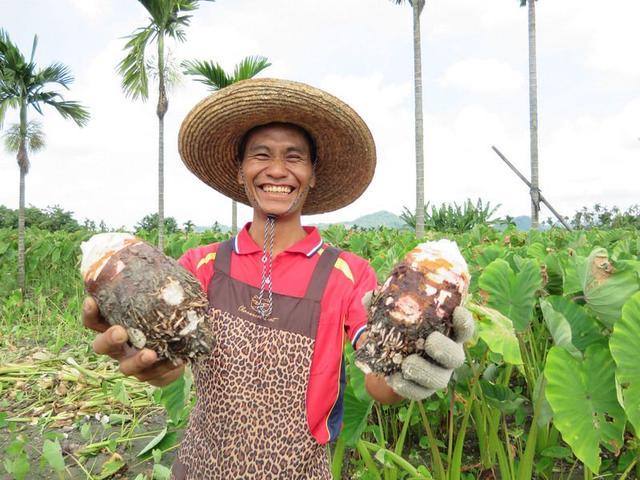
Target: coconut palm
[
  {"x": 24, "y": 86},
  {"x": 417, "y": 6},
  {"x": 167, "y": 20},
  {"x": 214, "y": 77},
  {"x": 533, "y": 112}
]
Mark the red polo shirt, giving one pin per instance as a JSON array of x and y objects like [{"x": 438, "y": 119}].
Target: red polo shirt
[{"x": 341, "y": 310}]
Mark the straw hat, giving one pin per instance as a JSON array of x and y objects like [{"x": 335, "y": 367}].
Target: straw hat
[{"x": 211, "y": 133}]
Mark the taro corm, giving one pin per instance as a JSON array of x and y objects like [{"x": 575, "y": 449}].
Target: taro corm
[
  {"x": 158, "y": 302},
  {"x": 418, "y": 298}
]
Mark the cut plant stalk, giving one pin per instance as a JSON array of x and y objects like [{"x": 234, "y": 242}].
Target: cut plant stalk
[
  {"x": 368, "y": 461},
  {"x": 400, "y": 440},
  {"x": 398, "y": 460},
  {"x": 437, "y": 466},
  {"x": 338, "y": 457}
]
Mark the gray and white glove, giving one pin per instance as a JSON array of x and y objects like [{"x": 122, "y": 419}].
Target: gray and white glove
[{"x": 420, "y": 378}]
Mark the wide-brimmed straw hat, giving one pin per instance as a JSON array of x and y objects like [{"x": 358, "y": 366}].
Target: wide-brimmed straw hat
[{"x": 345, "y": 152}]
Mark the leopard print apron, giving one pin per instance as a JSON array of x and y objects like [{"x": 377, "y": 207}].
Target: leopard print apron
[{"x": 250, "y": 420}]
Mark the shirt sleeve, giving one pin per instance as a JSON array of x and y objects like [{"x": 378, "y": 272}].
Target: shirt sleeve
[
  {"x": 365, "y": 281},
  {"x": 199, "y": 261},
  {"x": 186, "y": 260}
]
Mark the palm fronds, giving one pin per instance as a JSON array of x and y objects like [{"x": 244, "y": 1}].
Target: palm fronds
[
  {"x": 21, "y": 83},
  {"x": 215, "y": 77},
  {"x": 54, "y": 73},
  {"x": 207, "y": 72},
  {"x": 166, "y": 19},
  {"x": 71, "y": 110},
  {"x": 34, "y": 137},
  {"x": 135, "y": 82},
  {"x": 249, "y": 67}
]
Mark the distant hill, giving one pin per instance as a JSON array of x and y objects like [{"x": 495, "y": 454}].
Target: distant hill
[
  {"x": 382, "y": 218},
  {"x": 523, "y": 222},
  {"x": 223, "y": 228}
]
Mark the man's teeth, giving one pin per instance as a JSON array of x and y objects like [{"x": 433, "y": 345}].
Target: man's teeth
[{"x": 277, "y": 189}]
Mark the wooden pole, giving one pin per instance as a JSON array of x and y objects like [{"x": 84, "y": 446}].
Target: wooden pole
[{"x": 528, "y": 183}]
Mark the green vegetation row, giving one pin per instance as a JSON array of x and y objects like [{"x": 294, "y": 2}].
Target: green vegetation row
[{"x": 550, "y": 389}]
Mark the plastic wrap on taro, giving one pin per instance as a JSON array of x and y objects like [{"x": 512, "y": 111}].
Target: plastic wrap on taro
[
  {"x": 158, "y": 302},
  {"x": 418, "y": 298}
]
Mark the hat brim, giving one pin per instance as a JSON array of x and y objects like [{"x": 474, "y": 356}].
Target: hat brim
[{"x": 345, "y": 151}]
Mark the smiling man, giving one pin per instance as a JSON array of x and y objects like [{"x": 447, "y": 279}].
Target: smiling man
[{"x": 283, "y": 302}]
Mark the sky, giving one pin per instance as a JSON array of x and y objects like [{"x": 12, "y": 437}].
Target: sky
[{"x": 475, "y": 89}]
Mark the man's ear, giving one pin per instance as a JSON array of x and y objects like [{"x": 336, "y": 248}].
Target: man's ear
[
  {"x": 240, "y": 176},
  {"x": 312, "y": 182}
]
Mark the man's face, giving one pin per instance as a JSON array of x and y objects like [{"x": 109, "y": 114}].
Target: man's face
[{"x": 277, "y": 170}]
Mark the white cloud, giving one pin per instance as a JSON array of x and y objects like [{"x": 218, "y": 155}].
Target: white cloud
[
  {"x": 92, "y": 9},
  {"x": 603, "y": 39},
  {"x": 481, "y": 75},
  {"x": 593, "y": 159}
]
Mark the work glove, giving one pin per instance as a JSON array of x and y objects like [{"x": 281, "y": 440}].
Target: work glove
[{"x": 420, "y": 378}]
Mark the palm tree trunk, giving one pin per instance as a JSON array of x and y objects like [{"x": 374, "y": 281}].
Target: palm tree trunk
[
  {"x": 163, "y": 106},
  {"x": 533, "y": 116},
  {"x": 21, "y": 269},
  {"x": 23, "y": 165},
  {"x": 234, "y": 217},
  {"x": 417, "y": 6}
]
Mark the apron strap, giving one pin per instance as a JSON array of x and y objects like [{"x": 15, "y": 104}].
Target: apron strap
[
  {"x": 321, "y": 273},
  {"x": 223, "y": 257}
]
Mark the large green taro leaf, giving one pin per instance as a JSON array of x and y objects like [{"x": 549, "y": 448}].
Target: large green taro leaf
[
  {"x": 356, "y": 414},
  {"x": 513, "y": 294},
  {"x": 559, "y": 328},
  {"x": 357, "y": 402},
  {"x": 606, "y": 291},
  {"x": 487, "y": 254},
  {"x": 625, "y": 345},
  {"x": 501, "y": 397},
  {"x": 582, "y": 395},
  {"x": 574, "y": 268},
  {"x": 537, "y": 250},
  {"x": 585, "y": 329},
  {"x": 497, "y": 332}
]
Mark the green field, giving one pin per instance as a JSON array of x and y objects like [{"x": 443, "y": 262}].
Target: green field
[{"x": 550, "y": 389}]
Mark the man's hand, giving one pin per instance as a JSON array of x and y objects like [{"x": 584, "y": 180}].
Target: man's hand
[
  {"x": 420, "y": 378},
  {"x": 112, "y": 340}
]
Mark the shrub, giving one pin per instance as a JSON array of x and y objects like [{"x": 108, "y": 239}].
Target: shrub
[{"x": 454, "y": 218}]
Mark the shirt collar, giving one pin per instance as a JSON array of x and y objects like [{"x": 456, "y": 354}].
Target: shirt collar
[{"x": 243, "y": 244}]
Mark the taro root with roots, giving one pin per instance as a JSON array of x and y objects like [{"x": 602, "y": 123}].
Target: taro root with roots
[
  {"x": 418, "y": 298},
  {"x": 158, "y": 302}
]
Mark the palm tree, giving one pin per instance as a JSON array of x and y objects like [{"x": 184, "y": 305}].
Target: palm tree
[
  {"x": 533, "y": 112},
  {"x": 167, "y": 20},
  {"x": 417, "y": 6},
  {"x": 23, "y": 86},
  {"x": 188, "y": 227},
  {"x": 214, "y": 76}
]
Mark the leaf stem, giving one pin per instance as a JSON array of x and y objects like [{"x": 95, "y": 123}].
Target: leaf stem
[{"x": 437, "y": 465}]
